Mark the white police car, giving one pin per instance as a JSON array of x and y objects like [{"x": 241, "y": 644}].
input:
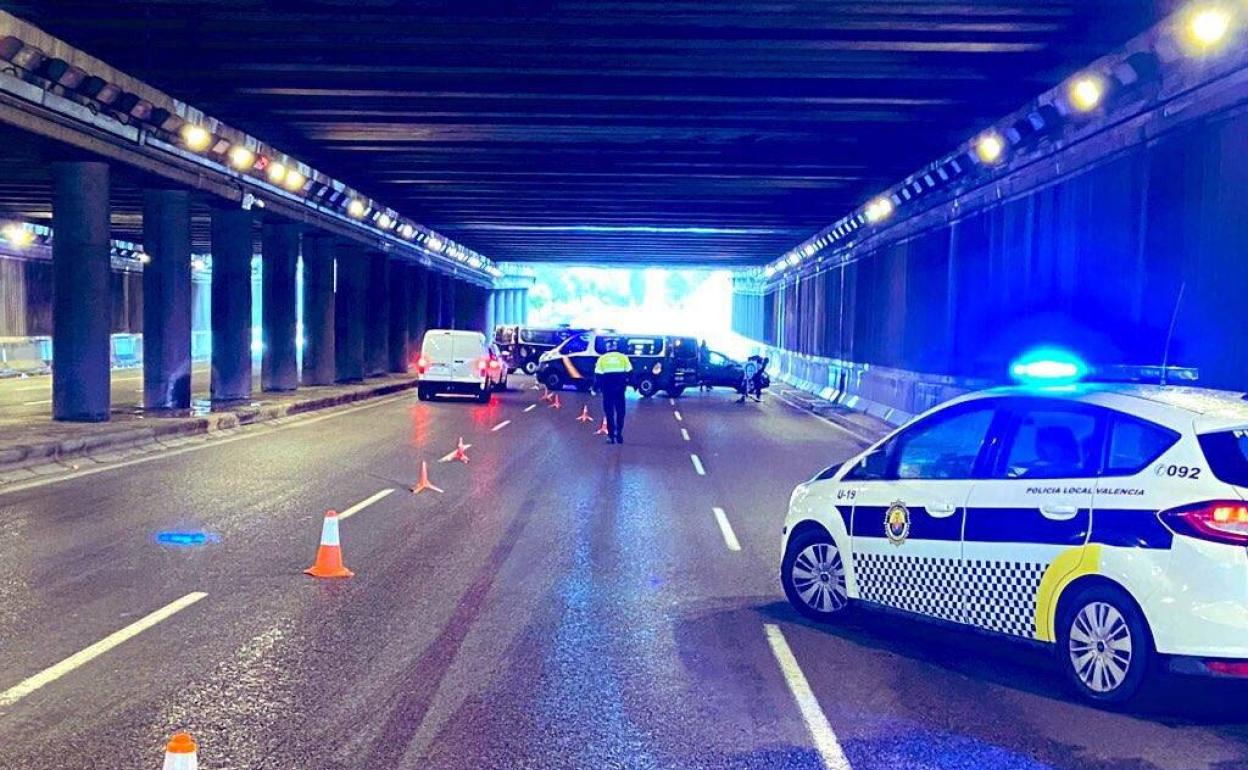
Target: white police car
[{"x": 1108, "y": 520}]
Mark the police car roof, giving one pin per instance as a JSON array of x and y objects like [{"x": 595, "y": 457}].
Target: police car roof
[{"x": 1213, "y": 408}]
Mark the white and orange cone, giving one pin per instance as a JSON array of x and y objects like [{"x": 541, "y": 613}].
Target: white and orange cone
[
  {"x": 602, "y": 429},
  {"x": 181, "y": 753},
  {"x": 424, "y": 485},
  {"x": 329, "y": 555},
  {"x": 554, "y": 403},
  {"x": 460, "y": 451},
  {"x": 584, "y": 415},
  {"x": 546, "y": 394}
]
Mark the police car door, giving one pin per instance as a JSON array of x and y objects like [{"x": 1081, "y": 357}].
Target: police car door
[
  {"x": 1034, "y": 509},
  {"x": 907, "y": 527}
]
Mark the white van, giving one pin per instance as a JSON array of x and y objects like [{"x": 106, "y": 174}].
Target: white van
[{"x": 454, "y": 361}]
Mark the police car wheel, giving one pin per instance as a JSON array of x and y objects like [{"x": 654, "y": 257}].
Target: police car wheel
[
  {"x": 646, "y": 387},
  {"x": 813, "y": 575},
  {"x": 1104, "y": 645},
  {"x": 553, "y": 381},
  {"x": 530, "y": 367}
]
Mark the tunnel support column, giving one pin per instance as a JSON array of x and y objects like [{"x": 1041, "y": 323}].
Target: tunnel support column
[
  {"x": 279, "y": 369},
  {"x": 491, "y": 311},
  {"x": 418, "y": 320},
  {"x": 400, "y": 299},
  {"x": 378, "y": 315},
  {"x": 231, "y": 304},
  {"x": 448, "y": 302},
  {"x": 349, "y": 311},
  {"x": 167, "y": 299},
  {"x": 81, "y": 303},
  {"x": 319, "y": 365}
]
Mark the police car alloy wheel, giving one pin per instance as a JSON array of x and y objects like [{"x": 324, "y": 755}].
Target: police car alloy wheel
[
  {"x": 1105, "y": 647},
  {"x": 553, "y": 381},
  {"x": 813, "y": 575},
  {"x": 530, "y": 367},
  {"x": 646, "y": 387}
]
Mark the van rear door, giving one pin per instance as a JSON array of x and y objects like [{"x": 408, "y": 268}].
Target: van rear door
[{"x": 469, "y": 349}]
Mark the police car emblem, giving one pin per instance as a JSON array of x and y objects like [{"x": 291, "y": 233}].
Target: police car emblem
[{"x": 897, "y": 523}]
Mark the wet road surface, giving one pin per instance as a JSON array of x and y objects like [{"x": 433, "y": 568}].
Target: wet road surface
[{"x": 564, "y": 604}]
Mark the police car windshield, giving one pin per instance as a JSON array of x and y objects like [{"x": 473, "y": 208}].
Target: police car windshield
[{"x": 1227, "y": 453}]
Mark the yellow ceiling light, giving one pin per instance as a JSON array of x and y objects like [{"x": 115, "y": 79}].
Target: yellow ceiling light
[
  {"x": 242, "y": 158},
  {"x": 1086, "y": 92},
  {"x": 276, "y": 172},
  {"x": 196, "y": 137},
  {"x": 1208, "y": 25},
  {"x": 356, "y": 208},
  {"x": 18, "y": 235},
  {"x": 879, "y": 210},
  {"x": 294, "y": 181},
  {"x": 989, "y": 147}
]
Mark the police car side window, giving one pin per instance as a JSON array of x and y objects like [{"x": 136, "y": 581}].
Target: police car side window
[
  {"x": 945, "y": 447},
  {"x": 1052, "y": 442},
  {"x": 576, "y": 345},
  {"x": 1134, "y": 444}
]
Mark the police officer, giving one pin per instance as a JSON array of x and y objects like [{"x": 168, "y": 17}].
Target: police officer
[{"x": 611, "y": 375}]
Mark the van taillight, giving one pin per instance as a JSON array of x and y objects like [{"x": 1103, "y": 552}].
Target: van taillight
[
  {"x": 1219, "y": 521},
  {"x": 481, "y": 365},
  {"x": 422, "y": 364}
]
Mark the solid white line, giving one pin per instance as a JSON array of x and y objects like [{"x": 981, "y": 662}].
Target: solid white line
[
  {"x": 36, "y": 403},
  {"x": 19, "y": 486},
  {"x": 49, "y": 675},
  {"x": 826, "y": 744},
  {"x": 40, "y": 386},
  {"x": 678, "y": 417},
  {"x": 854, "y": 434},
  {"x": 684, "y": 434},
  {"x": 697, "y": 465},
  {"x": 725, "y": 527},
  {"x": 500, "y": 426},
  {"x": 348, "y": 513},
  {"x": 530, "y": 407}
]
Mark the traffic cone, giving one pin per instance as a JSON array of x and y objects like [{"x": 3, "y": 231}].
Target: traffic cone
[
  {"x": 546, "y": 394},
  {"x": 329, "y": 555},
  {"x": 180, "y": 753},
  {"x": 424, "y": 484},
  {"x": 602, "y": 429},
  {"x": 460, "y": 454},
  {"x": 584, "y": 415},
  {"x": 554, "y": 404}
]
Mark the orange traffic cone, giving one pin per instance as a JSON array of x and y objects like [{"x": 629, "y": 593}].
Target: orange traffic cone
[
  {"x": 329, "y": 555},
  {"x": 460, "y": 454},
  {"x": 424, "y": 484},
  {"x": 602, "y": 429},
  {"x": 554, "y": 404},
  {"x": 584, "y": 415},
  {"x": 180, "y": 753},
  {"x": 546, "y": 394}
]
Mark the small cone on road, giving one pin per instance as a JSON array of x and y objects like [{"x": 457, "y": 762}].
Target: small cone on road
[
  {"x": 180, "y": 753},
  {"x": 554, "y": 403},
  {"x": 460, "y": 451},
  {"x": 424, "y": 485},
  {"x": 602, "y": 429},
  {"x": 546, "y": 394},
  {"x": 329, "y": 555},
  {"x": 584, "y": 415}
]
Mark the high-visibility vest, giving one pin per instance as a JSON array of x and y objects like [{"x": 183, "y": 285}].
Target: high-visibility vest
[{"x": 613, "y": 363}]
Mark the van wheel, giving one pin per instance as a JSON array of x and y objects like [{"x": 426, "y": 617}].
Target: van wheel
[
  {"x": 530, "y": 367},
  {"x": 813, "y": 575},
  {"x": 646, "y": 387},
  {"x": 553, "y": 381},
  {"x": 1104, "y": 645},
  {"x": 484, "y": 396},
  {"x": 423, "y": 392}
]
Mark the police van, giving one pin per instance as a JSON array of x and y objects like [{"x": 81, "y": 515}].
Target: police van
[
  {"x": 522, "y": 346},
  {"x": 1108, "y": 521},
  {"x": 660, "y": 363}
]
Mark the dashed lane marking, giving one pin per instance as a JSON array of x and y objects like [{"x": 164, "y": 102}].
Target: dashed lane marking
[
  {"x": 678, "y": 417},
  {"x": 852, "y": 433},
  {"x": 37, "y": 403},
  {"x": 725, "y": 527},
  {"x": 671, "y": 402},
  {"x": 500, "y": 426},
  {"x": 530, "y": 407},
  {"x": 684, "y": 434},
  {"x": 78, "y": 659},
  {"x": 697, "y": 465},
  {"x": 826, "y": 744},
  {"x": 348, "y": 513}
]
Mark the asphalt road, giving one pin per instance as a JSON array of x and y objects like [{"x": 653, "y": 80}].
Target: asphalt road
[
  {"x": 32, "y": 396},
  {"x": 564, "y": 604}
]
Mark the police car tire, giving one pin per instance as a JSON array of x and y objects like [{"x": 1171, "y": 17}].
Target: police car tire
[
  {"x": 530, "y": 367},
  {"x": 646, "y": 387},
  {"x": 553, "y": 381},
  {"x": 796, "y": 546},
  {"x": 1142, "y": 655}
]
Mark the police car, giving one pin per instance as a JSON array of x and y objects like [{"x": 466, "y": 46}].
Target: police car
[{"x": 1106, "y": 520}]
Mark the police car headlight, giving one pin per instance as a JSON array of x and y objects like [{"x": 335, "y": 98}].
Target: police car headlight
[{"x": 798, "y": 495}]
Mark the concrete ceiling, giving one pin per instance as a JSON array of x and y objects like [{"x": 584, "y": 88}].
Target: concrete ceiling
[{"x": 599, "y": 131}]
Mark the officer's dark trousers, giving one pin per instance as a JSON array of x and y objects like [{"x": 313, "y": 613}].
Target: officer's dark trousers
[{"x": 613, "y": 408}]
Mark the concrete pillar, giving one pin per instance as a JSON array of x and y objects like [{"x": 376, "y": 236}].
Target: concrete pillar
[
  {"x": 448, "y": 302},
  {"x": 524, "y": 306},
  {"x": 377, "y": 316},
  {"x": 491, "y": 312},
  {"x": 81, "y": 301},
  {"x": 319, "y": 364},
  {"x": 513, "y": 307},
  {"x": 279, "y": 259},
  {"x": 400, "y": 298},
  {"x": 350, "y": 300},
  {"x": 231, "y": 304},
  {"x": 167, "y": 299},
  {"x": 418, "y": 320}
]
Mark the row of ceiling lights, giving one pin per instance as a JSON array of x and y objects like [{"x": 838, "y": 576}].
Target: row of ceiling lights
[
  {"x": 242, "y": 154},
  {"x": 1202, "y": 29}
]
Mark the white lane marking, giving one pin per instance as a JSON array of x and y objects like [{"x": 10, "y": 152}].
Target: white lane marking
[
  {"x": 37, "y": 403},
  {"x": 684, "y": 434},
  {"x": 725, "y": 527},
  {"x": 348, "y": 513},
  {"x": 826, "y": 744},
  {"x": 671, "y": 402},
  {"x": 530, "y": 407},
  {"x": 853, "y": 434},
  {"x": 40, "y": 386},
  {"x": 500, "y": 426},
  {"x": 446, "y": 458},
  {"x": 78, "y": 659},
  {"x": 268, "y": 430},
  {"x": 697, "y": 465},
  {"x": 678, "y": 417}
]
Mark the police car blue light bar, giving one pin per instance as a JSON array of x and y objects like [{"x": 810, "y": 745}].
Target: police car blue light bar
[{"x": 1055, "y": 366}]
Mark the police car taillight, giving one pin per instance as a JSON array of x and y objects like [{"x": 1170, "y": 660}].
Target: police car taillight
[{"x": 1219, "y": 521}]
